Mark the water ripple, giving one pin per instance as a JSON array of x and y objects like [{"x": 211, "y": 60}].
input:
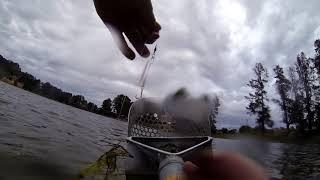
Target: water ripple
[{"x": 2, "y": 101}]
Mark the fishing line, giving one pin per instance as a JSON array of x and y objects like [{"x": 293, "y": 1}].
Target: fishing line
[{"x": 145, "y": 72}]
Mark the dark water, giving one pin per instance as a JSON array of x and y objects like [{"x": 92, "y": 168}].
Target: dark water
[
  {"x": 33, "y": 127},
  {"x": 284, "y": 161},
  {"x": 37, "y": 131}
]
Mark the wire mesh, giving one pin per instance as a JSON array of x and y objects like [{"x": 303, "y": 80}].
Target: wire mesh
[{"x": 151, "y": 118}]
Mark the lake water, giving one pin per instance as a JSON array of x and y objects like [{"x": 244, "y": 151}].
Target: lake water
[{"x": 45, "y": 136}]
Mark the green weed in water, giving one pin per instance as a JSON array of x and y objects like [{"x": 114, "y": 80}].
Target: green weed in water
[{"x": 106, "y": 164}]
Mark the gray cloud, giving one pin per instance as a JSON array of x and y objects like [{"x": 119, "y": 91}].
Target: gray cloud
[{"x": 206, "y": 46}]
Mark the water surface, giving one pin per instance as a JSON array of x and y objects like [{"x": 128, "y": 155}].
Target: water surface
[{"x": 35, "y": 129}]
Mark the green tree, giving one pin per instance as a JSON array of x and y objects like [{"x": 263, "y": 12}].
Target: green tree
[
  {"x": 8, "y": 68},
  {"x": 30, "y": 82},
  {"x": 245, "y": 129},
  {"x": 64, "y": 97},
  {"x": 78, "y": 101},
  {"x": 283, "y": 86},
  {"x": 121, "y": 105},
  {"x": 92, "y": 107},
  {"x": 316, "y": 87},
  {"x": 296, "y": 103},
  {"x": 257, "y": 100},
  {"x": 305, "y": 73},
  {"x": 317, "y": 55},
  {"x": 106, "y": 107},
  {"x": 214, "y": 113}
]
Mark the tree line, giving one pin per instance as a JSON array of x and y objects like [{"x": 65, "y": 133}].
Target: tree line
[
  {"x": 11, "y": 71},
  {"x": 298, "y": 88}
]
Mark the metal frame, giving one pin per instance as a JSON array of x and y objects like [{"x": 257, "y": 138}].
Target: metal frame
[{"x": 130, "y": 139}]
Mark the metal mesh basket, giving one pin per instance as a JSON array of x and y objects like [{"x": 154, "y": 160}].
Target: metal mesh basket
[
  {"x": 153, "y": 118},
  {"x": 161, "y": 130}
]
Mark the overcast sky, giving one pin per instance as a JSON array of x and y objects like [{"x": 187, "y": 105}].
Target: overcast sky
[{"x": 206, "y": 46}]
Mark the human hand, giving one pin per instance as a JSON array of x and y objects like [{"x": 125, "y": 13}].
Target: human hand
[
  {"x": 224, "y": 166},
  {"x": 135, "y": 19}
]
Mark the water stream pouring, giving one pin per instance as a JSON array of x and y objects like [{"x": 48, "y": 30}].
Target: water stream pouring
[{"x": 164, "y": 134}]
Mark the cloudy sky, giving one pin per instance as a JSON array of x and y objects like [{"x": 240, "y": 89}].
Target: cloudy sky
[{"x": 206, "y": 46}]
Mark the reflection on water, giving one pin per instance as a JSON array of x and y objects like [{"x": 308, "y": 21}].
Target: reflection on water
[{"x": 44, "y": 137}]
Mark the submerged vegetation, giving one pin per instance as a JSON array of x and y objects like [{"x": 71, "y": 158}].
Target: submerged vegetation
[
  {"x": 11, "y": 73},
  {"x": 106, "y": 165}
]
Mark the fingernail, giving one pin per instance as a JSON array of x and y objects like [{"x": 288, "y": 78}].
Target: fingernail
[
  {"x": 130, "y": 55},
  {"x": 153, "y": 37}
]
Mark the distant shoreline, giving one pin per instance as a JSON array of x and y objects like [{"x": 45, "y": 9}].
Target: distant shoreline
[
  {"x": 10, "y": 73},
  {"x": 123, "y": 120},
  {"x": 275, "y": 138}
]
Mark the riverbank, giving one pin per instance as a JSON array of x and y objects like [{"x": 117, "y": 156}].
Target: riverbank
[
  {"x": 10, "y": 73},
  {"x": 278, "y": 137}
]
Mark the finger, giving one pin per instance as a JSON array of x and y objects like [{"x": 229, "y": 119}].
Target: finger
[
  {"x": 148, "y": 23},
  {"x": 120, "y": 41},
  {"x": 190, "y": 168},
  {"x": 191, "y": 171},
  {"x": 148, "y": 36},
  {"x": 203, "y": 160},
  {"x": 228, "y": 166},
  {"x": 138, "y": 42},
  {"x": 231, "y": 165},
  {"x": 145, "y": 15},
  {"x": 152, "y": 38},
  {"x": 144, "y": 33}
]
